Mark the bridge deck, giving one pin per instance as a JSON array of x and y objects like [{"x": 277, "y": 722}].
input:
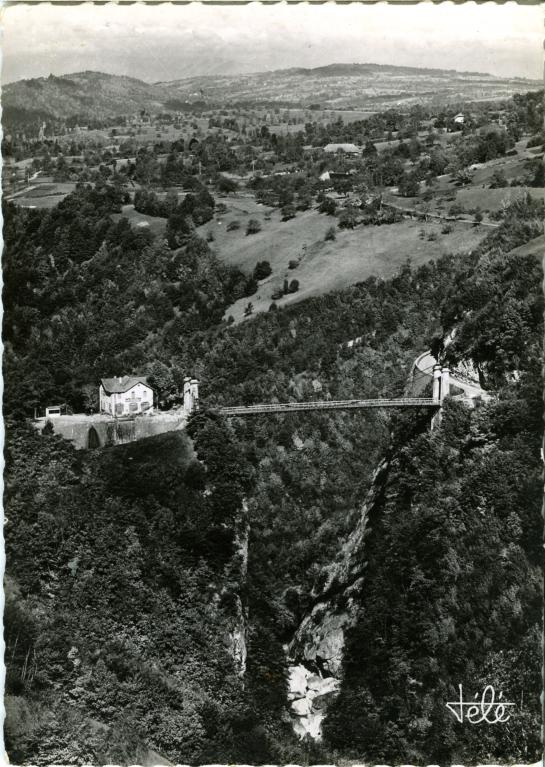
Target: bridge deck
[{"x": 351, "y": 404}]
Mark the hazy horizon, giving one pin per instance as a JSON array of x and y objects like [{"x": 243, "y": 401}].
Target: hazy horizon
[
  {"x": 170, "y": 42},
  {"x": 267, "y": 71}
]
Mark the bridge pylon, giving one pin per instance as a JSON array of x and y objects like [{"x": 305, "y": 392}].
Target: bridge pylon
[
  {"x": 437, "y": 383},
  {"x": 445, "y": 382}
]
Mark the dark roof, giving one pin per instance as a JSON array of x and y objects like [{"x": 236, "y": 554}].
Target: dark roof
[{"x": 122, "y": 384}]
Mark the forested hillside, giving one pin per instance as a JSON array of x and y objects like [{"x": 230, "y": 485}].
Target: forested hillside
[
  {"x": 126, "y": 568},
  {"x": 85, "y": 295}
]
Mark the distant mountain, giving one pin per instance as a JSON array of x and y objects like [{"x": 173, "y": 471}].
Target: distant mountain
[
  {"x": 332, "y": 70},
  {"x": 82, "y": 95},
  {"x": 87, "y": 95}
]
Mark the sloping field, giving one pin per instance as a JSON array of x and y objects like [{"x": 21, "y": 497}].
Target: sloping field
[
  {"x": 324, "y": 266},
  {"x": 493, "y": 199},
  {"x": 535, "y": 247},
  {"x": 42, "y": 195},
  {"x": 156, "y": 224}
]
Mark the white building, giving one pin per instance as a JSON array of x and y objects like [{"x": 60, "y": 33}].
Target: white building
[
  {"x": 345, "y": 148},
  {"x": 125, "y": 395},
  {"x": 54, "y": 411}
]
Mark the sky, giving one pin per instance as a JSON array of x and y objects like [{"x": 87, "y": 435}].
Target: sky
[{"x": 167, "y": 42}]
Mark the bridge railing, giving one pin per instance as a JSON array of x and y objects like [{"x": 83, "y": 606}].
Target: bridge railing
[{"x": 355, "y": 404}]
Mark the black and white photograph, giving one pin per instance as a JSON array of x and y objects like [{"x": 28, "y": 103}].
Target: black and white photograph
[{"x": 272, "y": 384}]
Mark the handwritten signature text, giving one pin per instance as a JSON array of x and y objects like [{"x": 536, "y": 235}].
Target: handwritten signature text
[{"x": 487, "y": 709}]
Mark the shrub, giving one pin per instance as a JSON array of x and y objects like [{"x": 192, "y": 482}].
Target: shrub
[
  {"x": 210, "y": 237},
  {"x": 293, "y": 264},
  {"x": 536, "y": 140},
  {"x": 293, "y": 286},
  {"x": 253, "y": 226},
  {"x": 447, "y": 229},
  {"x": 331, "y": 234},
  {"x": 456, "y": 209},
  {"x": 288, "y": 211},
  {"x": 232, "y": 225},
  {"x": 498, "y": 180},
  {"x": 347, "y": 219},
  {"x": 251, "y": 286},
  {"x": 262, "y": 270},
  {"x": 328, "y": 206}
]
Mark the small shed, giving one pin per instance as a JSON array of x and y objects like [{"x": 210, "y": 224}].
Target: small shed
[{"x": 54, "y": 411}]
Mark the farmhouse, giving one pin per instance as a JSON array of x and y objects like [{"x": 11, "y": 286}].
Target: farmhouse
[
  {"x": 346, "y": 148},
  {"x": 125, "y": 395}
]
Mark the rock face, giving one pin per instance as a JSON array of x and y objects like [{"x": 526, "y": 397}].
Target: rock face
[
  {"x": 235, "y": 640},
  {"x": 316, "y": 650},
  {"x": 308, "y": 694}
]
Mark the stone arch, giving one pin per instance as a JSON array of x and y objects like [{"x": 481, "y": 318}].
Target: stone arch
[{"x": 93, "y": 440}]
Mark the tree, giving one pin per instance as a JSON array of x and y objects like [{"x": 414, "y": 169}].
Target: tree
[
  {"x": 226, "y": 185},
  {"x": 90, "y": 398},
  {"x": 249, "y": 309},
  {"x": 409, "y": 185}
]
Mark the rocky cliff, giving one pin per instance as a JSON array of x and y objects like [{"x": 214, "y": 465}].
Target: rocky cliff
[
  {"x": 237, "y": 571},
  {"x": 316, "y": 651}
]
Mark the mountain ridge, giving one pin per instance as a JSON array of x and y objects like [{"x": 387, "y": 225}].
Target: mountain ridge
[
  {"x": 88, "y": 95},
  {"x": 333, "y": 68}
]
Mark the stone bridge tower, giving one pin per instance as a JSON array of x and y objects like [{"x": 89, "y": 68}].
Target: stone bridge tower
[{"x": 441, "y": 382}]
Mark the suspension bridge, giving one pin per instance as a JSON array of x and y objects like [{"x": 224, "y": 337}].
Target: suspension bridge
[
  {"x": 350, "y": 404},
  {"x": 100, "y": 430},
  {"x": 426, "y": 370},
  {"x": 441, "y": 388}
]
